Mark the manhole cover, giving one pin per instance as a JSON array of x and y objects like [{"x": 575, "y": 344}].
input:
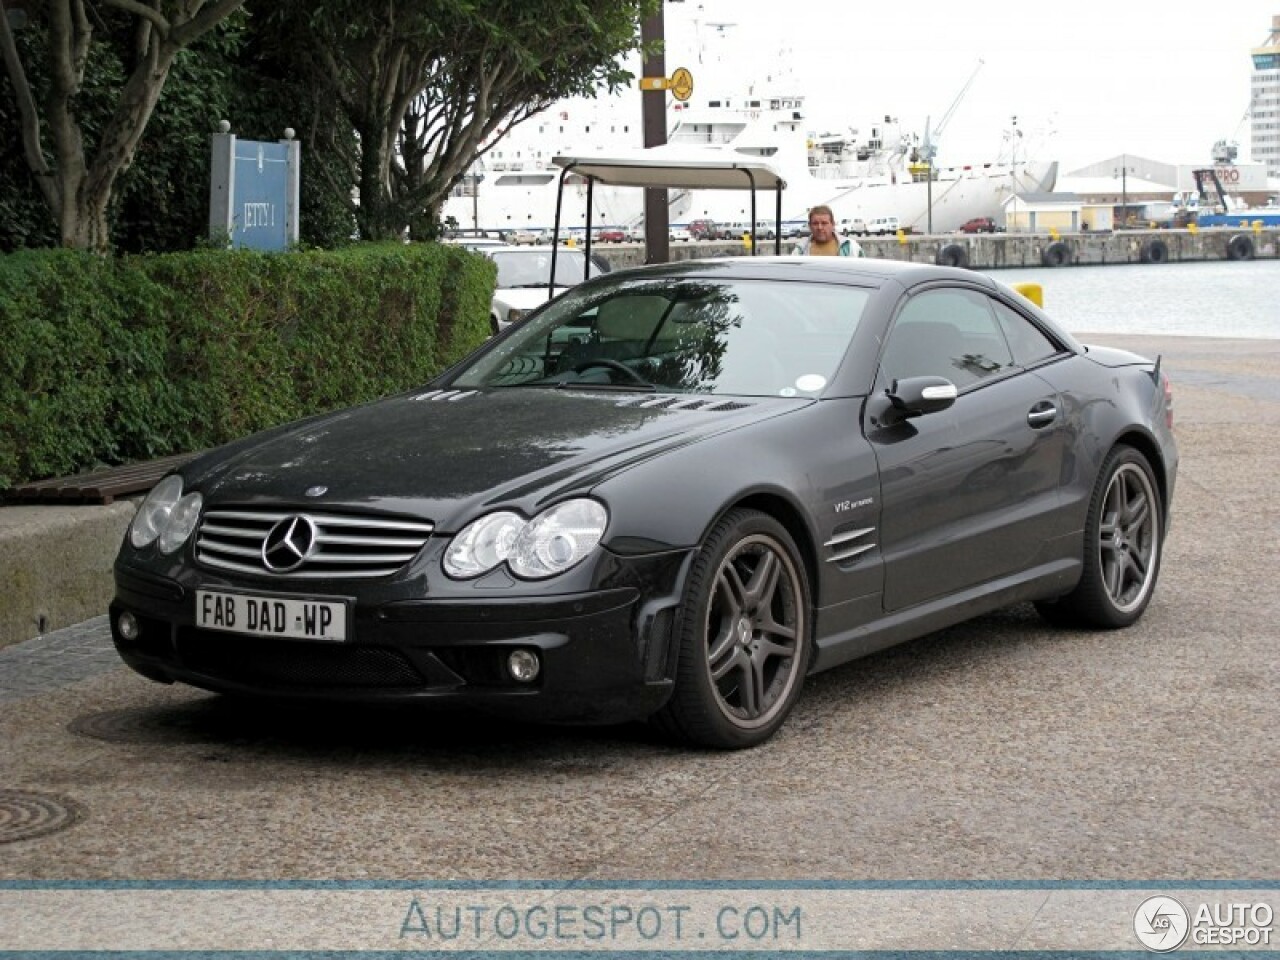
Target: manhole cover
[{"x": 24, "y": 815}]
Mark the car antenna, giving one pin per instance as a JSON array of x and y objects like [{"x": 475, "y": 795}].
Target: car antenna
[{"x": 1155, "y": 373}]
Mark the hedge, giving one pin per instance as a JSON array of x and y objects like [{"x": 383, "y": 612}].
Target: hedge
[{"x": 108, "y": 361}]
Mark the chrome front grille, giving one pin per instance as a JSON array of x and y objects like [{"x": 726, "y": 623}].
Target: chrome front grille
[{"x": 345, "y": 546}]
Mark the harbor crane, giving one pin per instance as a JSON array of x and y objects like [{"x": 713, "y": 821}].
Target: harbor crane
[{"x": 929, "y": 149}]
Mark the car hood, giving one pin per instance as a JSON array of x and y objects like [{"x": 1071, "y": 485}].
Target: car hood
[{"x": 444, "y": 455}]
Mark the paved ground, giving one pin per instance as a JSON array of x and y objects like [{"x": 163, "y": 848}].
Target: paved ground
[
  {"x": 56, "y": 659},
  {"x": 998, "y": 749}
]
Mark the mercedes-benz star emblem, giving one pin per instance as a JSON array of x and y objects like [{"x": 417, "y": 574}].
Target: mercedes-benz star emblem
[{"x": 288, "y": 544}]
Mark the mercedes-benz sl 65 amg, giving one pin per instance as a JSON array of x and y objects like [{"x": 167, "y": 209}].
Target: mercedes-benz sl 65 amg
[{"x": 672, "y": 493}]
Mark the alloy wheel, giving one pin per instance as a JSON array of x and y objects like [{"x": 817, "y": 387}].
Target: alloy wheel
[
  {"x": 754, "y": 629},
  {"x": 1128, "y": 537}
]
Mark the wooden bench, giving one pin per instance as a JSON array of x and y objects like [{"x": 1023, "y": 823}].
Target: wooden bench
[{"x": 100, "y": 486}]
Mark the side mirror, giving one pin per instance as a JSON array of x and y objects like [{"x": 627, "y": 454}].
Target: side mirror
[{"x": 917, "y": 396}]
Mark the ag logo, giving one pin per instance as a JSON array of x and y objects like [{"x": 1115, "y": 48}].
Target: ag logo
[{"x": 1161, "y": 923}]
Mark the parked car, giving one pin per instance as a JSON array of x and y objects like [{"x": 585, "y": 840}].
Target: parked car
[
  {"x": 680, "y": 234},
  {"x": 704, "y": 230},
  {"x": 766, "y": 229},
  {"x": 523, "y": 277},
  {"x": 852, "y": 227},
  {"x": 549, "y": 529},
  {"x": 529, "y": 236},
  {"x": 477, "y": 243},
  {"x": 882, "y": 225},
  {"x": 612, "y": 235},
  {"x": 978, "y": 225}
]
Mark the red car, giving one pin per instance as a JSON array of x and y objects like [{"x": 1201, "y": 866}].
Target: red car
[
  {"x": 978, "y": 225},
  {"x": 612, "y": 235}
]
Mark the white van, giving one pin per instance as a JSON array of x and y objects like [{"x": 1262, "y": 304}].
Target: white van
[{"x": 879, "y": 226}]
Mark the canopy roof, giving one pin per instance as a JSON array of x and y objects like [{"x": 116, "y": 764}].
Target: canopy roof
[{"x": 689, "y": 168}]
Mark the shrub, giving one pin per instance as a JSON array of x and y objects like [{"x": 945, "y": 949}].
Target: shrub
[{"x": 110, "y": 361}]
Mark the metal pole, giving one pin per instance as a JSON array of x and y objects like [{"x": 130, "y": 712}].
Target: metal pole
[
  {"x": 657, "y": 241},
  {"x": 1124, "y": 187},
  {"x": 929, "y": 192},
  {"x": 1013, "y": 171}
]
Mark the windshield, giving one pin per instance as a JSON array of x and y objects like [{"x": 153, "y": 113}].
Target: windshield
[
  {"x": 532, "y": 268},
  {"x": 687, "y": 335}
]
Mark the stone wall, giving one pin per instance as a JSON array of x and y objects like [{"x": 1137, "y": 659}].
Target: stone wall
[{"x": 993, "y": 251}]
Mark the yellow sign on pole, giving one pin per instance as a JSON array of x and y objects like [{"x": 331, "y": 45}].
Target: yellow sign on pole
[
  {"x": 682, "y": 84},
  {"x": 679, "y": 83}
]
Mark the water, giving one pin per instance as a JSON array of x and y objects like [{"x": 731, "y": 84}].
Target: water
[{"x": 1210, "y": 299}]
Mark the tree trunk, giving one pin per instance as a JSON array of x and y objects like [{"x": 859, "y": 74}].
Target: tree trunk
[{"x": 376, "y": 214}]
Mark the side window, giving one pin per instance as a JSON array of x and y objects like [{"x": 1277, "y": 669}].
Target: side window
[
  {"x": 948, "y": 333},
  {"x": 1029, "y": 345}
]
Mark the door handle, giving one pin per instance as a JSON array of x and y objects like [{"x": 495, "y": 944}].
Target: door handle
[{"x": 1042, "y": 414}]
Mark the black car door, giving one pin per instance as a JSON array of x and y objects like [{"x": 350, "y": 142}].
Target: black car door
[{"x": 968, "y": 494}]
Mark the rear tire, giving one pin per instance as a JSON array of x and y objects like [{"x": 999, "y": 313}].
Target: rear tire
[
  {"x": 743, "y": 635},
  {"x": 1124, "y": 540}
]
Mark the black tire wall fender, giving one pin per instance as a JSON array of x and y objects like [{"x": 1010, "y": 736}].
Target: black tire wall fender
[
  {"x": 1240, "y": 247},
  {"x": 953, "y": 255},
  {"x": 1056, "y": 254},
  {"x": 1154, "y": 251}
]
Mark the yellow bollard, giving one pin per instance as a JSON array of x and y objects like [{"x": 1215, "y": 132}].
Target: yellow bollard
[
  {"x": 746, "y": 240},
  {"x": 1193, "y": 228},
  {"x": 1032, "y": 291},
  {"x": 570, "y": 242},
  {"x": 1053, "y": 232},
  {"x": 1257, "y": 227},
  {"x": 902, "y": 238}
]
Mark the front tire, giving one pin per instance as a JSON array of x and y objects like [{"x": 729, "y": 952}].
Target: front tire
[
  {"x": 743, "y": 635},
  {"x": 1124, "y": 539}
]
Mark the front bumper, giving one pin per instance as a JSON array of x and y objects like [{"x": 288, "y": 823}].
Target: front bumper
[{"x": 605, "y": 653}]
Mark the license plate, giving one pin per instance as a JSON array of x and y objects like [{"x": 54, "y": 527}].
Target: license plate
[{"x": 259, "y": 615}]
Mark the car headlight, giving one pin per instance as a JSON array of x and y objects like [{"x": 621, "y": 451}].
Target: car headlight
[
  {"x": 154, "y": 512},
  {"x": 550, "y": 543},
  {"x": 182, "y": 521},
  {"x": 514, "y": 314},
  {"x": 482, "y": 545},
  {"x": 558, "y": 538}
]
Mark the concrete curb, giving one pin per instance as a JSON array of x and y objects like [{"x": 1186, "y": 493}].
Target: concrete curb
[{"x": 55, "y": 565}]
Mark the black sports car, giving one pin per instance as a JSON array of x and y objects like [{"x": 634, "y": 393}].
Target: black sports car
[{"x": 671, "y": 493}]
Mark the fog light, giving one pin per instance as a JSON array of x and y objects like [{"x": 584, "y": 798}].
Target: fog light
[
  {"x": 128, "y": 626},
  {"x": 523, "y": 665}
]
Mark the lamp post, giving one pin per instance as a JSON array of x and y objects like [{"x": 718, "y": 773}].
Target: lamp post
[
  {"x": 653, "y": 113},
  {"x": 1014, "y": 134},
  {"x": 1124, "y": 188},
  {"x": 477, "y": 174}
]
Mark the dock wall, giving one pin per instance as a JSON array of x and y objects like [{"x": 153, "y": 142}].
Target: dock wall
[{"x": 999, "y": 250}]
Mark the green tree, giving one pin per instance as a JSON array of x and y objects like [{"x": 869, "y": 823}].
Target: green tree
[
  {"x": 430, "y": 85},
  {"x": 120, "y": 51}
]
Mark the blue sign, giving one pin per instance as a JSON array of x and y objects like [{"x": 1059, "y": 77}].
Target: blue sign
[{"x": 253, "y": 198}]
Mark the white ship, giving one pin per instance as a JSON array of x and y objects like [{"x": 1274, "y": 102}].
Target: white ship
[{"x": 876, "y": 170}]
